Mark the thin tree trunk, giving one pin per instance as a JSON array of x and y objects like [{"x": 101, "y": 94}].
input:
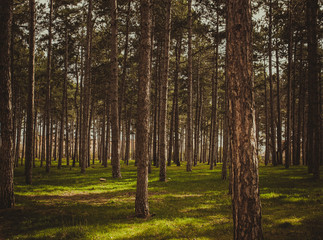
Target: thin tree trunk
[
  {"x": 55, "y": 144},
  {"x": 214, "y": 127},
  {"x": 30, "y": 101},
  {"x": 279, "y": 129},
  {"x": 272, "y": 117},
  {"x": 155, "y": 153},
  {"x": 225, "y": 131},
  {"x": 197, "y": 117},
  {"x": 176, "y": 126},
  {"x": 114, "y": 92},
  {"x": 75, "y": 155},
  {"x": 127, "y": 153},
  {"x": 266, "y": 120},
  {"x": 189, "y": 134},
  {"x": 67, "y": 154},
  {"x": 164, "y": 92},
  {"x": 86, "y": 92},
  {"x": 23, "y": 152},
  {"x": 43, "y": 139},
  {"x": 289, "y": 89},
  {"x": 300, "y": 107},
  {"x": 171, "y": 135},
  {"x": 18, "y": 138},
  {"x": 48, "y": 89},
  {"x": 124, "y": 70}
]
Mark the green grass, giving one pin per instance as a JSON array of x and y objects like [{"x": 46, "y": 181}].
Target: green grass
[{"x": 66, "y": 204}]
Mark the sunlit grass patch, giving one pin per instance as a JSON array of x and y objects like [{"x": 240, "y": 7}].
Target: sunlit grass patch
[{"x": 66, "y": 204}]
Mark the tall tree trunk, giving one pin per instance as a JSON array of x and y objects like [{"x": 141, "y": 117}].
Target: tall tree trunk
[
  {"x": 245, "y": 190},
  {"x": 55, "y": 144},
  {"x": 49, "y": 71},
  {"x": 294, "y": 110},
  {"x": 124, "y": 70},
  {"x": 272, "y": 117},
  {"x": 266, "y": 120},
  {"x": 30, "y": 102},
  {"x": 127, "y": 152},
  {"x": 18, "y": 138},
  {"x": 313, "y": 91},
  {"x": 197, "y": 116},
  {"x": 75, "y": 155},
  {"x": 67, "y": 154},
  {"x": 141, "y": 203},
  {"x": 43, "y": 138},
  {"x": 214, "y": 124},
  {"x": 164, "y": 92},
  {"x": 86, "y": 92},
  {"x": 189, "y": 133},
  {"x": 94, "y": 141},
  {"x": 171, "y": 135},
  {"x": 300, "y": 107},
  {"x": 279, "y": 128},
  {"x": 103, "y": 139},
  {"x": 289, "y": 89},
  {"x": 176, "y": 116},
  {"x": 156, "y": 93},
  {"x": 7, "y": 199},
  {"x": 23, "y": 152},
  {"x": 225, "y": 129},
  {"x": 114, "y": 92}
]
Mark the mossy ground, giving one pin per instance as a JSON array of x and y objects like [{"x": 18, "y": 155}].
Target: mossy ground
[{"x": 66, "y": 204}]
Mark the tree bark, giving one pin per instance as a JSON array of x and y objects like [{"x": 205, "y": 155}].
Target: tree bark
[
  {"x": 114, "y": 91},
  {"x": 49, "y": 71},
  {"x": 279, "y": 128},
  {"x": 189, "y": 133},
  {"x": 313, "y": 137},
  {"x": 86, "y": 92},
  {"x": 171, "y": 135},
  {"x": 7, "y": 199},
  {"x": 30, "y": 101},
  {"x": 245, "y": 190},
  {"x": 176, "y": 122},
  {"x": 164, "y": 92},
  {"x": 300, "y": 107},
  {"x": 67, "y": 154},
  {"x": 289, "y": 89},
  {"x": 272, "y": 117},
  {"x": 266, "y": 120},
  {"x": 142, "y": 156}
]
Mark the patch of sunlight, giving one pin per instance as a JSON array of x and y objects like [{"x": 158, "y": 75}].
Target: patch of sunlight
[
  {"x": 296, "y": 199},
  {"x": 185, "y": 195},
  {"x": 291, "y": 220},
  {"x": 270, "y": 195}
]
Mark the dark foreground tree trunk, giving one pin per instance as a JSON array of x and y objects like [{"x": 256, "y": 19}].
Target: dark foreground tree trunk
[
  {"x": 142, "y": 132},
  {"x": 245, "y": 190},
  {"x": 6, "y": 161}
]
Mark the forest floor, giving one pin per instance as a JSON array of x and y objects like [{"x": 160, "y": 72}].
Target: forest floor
[{"x": 66, "y": 204}]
